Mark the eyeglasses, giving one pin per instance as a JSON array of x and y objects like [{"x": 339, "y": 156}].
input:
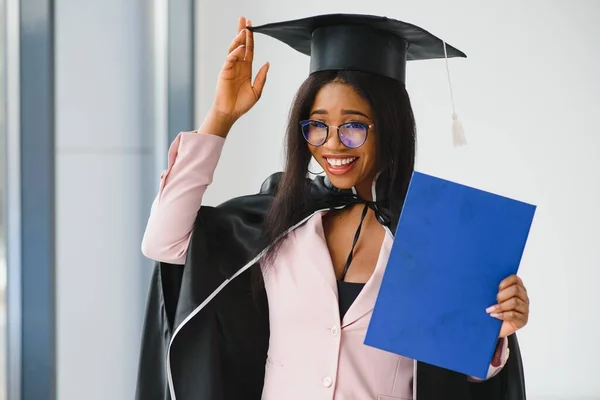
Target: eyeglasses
[{"x": 351, "y": 134}]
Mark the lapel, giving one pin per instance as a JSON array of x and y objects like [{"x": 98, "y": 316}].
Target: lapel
[
  {"x": 318, "y": 253},
  {"x": 320, "y": 259},
  {"x": 365, "y": 302}
]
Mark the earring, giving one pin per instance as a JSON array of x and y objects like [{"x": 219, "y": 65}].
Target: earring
[{"x": 312, "y": 173}]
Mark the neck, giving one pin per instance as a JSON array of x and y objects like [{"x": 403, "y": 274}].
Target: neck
[
  {"x": 364, "y": 187},
  {"x": 363, "y": 190}
]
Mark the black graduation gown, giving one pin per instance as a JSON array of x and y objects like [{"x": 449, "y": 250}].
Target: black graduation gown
[{"x": 206, "y": 328}]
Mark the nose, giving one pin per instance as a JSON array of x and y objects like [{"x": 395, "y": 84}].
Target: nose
[{"x": 333, "y": 140}]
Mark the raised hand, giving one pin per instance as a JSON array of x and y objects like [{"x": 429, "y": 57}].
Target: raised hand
[{"x": 236, "y": 94}]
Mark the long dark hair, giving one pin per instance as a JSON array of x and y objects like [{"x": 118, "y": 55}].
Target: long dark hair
[{"x": 395, "y": 143}]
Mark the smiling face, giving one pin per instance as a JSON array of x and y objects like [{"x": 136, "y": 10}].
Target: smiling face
[{"x": 338, "y": 103}]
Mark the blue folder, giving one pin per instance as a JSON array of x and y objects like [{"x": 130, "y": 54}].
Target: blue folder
[{"x": 453, "y": 246}]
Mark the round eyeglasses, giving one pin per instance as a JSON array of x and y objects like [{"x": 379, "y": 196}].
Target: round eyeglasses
[{"x": 351, "y": 134}]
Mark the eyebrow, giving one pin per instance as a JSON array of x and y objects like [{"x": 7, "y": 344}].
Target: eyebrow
[{"x": 344, "y": 112}]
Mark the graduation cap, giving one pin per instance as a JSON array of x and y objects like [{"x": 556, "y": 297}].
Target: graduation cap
[{"x": 374, "y": 44}]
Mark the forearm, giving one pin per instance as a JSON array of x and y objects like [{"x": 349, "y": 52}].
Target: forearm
[{"x": 193, "y": 158}]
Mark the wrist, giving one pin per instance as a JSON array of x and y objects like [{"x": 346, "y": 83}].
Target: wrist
[{"x": 217, "y": 123}]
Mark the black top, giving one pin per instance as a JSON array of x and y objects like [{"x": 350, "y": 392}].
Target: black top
[{"x": 347, "y": 294}]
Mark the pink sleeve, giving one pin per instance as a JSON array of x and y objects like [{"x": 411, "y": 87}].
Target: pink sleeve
[
  {"x": 498, "y": 361},
  {"x": 193, "y": 158}
]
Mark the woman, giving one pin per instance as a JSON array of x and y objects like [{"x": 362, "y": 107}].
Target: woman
[{"x": 269, "y": 295}]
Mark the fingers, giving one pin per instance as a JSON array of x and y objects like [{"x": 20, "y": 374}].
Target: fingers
[
  {"x": 259, "y": 81},
  {"x": 511, "y": 280},
  {"x": 515, "y": 290},
  {"x": 512, "y": 304},
  {"x": 240, "y": 39},
  {"x": 233, "y": 57},
  {"x": 241, "y": 23},
  {"x": 516, "y": 319},
  {"x": 249, "y": 56}
]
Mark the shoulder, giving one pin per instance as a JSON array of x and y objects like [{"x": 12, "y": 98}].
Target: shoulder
[
  {"x": 257, "y": 204},
  {"x": 270, "y": 185},
  {"x": 252, "y": 207},
  {"x": 319, "y": 187}
]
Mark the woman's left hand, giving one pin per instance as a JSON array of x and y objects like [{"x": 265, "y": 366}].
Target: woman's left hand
[{"x": 512, "y": 307}]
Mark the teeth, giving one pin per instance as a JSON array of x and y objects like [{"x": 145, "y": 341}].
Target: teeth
[{"x": 337, "y": 162}]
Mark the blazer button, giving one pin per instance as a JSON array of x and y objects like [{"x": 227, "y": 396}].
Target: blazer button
[
  {"x": 334, "y": 330},
  {"x": 327, "y": 381}
]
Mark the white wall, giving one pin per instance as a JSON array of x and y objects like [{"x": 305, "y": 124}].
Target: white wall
[
  {"x": 102, "y": 154},
  {"x": 529, "y": 97}
]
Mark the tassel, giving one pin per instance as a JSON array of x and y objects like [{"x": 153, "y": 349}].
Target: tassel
[{"x": 458, "y": 132}]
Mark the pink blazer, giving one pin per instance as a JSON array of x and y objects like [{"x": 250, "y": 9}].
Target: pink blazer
[{"x": 312, "y": 354}]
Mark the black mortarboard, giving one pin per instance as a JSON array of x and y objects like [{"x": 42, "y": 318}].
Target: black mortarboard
[{"x": 367, "y": 43}]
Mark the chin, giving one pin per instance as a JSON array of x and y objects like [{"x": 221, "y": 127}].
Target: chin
[{"x": 341, "y": 181}]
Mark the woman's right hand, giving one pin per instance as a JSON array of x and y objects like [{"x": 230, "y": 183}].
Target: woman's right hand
[{"x": 235, "y": 93}]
